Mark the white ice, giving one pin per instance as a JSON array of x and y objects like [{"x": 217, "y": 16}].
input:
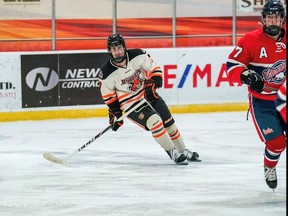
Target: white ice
[{"x": 126, "y": 173}]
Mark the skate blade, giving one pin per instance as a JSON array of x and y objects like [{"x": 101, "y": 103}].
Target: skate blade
[
  {"x": 182, "y": 163},
  {"x": 198, "y": 160}
]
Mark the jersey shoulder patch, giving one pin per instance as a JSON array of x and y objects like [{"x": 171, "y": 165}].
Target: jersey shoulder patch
[
  {"x": 107, "y": 69},
  {"x": 132, "y": 53}
]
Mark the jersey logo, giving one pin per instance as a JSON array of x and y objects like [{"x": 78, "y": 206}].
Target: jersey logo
[
  {"x": 135, "y": 85},
  {"x": 141, "y": 116},
  {"x": 280, "y": 46},
  {"x": 263, "y": 53},
  {"x": 134, "y": 81},
  {"x": 276, "y": 73},
  {"x": 268, "y": 131}
]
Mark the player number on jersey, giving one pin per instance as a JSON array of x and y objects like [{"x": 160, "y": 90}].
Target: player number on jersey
[{"x": 238, "y": 51}]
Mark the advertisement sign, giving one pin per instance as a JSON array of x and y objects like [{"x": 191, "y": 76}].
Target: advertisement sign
[
  {"x": 79, "y": 83},
  {"x": 252, "y": 7},
  {"x": 39, "y": 77},
  {"x": 197, "y": 76},
  {"x": 10, "y": 92},
  {"x": 61, "y": 79}
]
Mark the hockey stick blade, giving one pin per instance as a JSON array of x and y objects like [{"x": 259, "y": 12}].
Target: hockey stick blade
[{"x": 52, "y": 158}]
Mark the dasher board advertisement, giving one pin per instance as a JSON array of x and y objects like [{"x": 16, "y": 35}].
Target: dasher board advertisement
[{"x": 61, "y": 79}]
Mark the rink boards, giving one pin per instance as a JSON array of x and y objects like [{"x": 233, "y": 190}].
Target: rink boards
[{"x": 45, "y": 85}]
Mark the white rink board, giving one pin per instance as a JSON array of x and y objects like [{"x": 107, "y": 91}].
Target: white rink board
[
  {"x": 214, "y": 57},
  {"x": 10, "y": 81},
  {"x": 191, "y": 76}
]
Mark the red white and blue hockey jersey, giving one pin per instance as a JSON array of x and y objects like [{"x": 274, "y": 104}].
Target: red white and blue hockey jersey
[
  {"x": 281, "y": 101},
  {"x": 265, "y": 56}
]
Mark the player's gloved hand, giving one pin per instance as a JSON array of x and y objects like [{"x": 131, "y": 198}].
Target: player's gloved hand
[
  {"x": 113, "y": 116},
  {"x": 253, "y": 79},
  {"x": 150, "y": 90}
]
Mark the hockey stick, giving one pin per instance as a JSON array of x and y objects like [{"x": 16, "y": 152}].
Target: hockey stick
[
  {"x": 270, "y": 88},
  {"x": 48, "y": 156}
]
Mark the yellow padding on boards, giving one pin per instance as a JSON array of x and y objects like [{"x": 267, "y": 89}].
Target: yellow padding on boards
[
  {"x": 202, "y": 108},
  {"x": 103, "y": 112},
  {"x": 52, "y": 114}
]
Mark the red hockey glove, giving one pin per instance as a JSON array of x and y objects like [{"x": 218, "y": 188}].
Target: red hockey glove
[
  {"x": 253, "y": 79},
  {"x": 150, "y": 90},
  {"x": 113, "y": 116}
]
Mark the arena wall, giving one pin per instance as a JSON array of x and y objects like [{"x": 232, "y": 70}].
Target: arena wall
[{"x": 64, "y": 84}]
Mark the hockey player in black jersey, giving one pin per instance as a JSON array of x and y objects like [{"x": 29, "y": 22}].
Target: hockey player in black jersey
[{"x": 130, "y": 76}]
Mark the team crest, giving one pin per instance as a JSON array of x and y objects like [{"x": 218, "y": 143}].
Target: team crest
[
  {"x": 134, "y": 81},
  {"x": 276, "y": 73},
  {"x": 135, "y": 85}
]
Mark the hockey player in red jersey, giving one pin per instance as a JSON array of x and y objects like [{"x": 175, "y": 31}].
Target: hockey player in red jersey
[
  {"x": 259, "y": 61},
  {"x": 281, "y": 101},
  {"x": 130, "y": 76}
]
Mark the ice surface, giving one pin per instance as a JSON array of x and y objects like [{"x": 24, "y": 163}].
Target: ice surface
[{"x": 126, "y": 173}]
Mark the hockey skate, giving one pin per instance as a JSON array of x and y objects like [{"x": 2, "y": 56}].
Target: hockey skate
[
  {"x": 177, "y": 157},
  {"x": 191, "y": 156},
  {"x": 270, "y": 177}
]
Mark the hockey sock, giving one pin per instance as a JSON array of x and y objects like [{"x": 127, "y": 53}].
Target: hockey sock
[
  {"x": 159, "y": 133},
  {"x": 273, "y": 150},
  {"x": 176, "y": 137}
]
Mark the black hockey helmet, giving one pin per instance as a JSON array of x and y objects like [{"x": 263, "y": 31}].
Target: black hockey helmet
[
  {"x": 115, "y": 40},
  {"x": 272, "y": 7}
]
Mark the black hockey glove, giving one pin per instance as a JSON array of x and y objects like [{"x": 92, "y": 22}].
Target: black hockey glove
[
  {"x": 253, "y": 80},
  {"x": 150, "y": 90},
  {"x": 113, "y": 116}
]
